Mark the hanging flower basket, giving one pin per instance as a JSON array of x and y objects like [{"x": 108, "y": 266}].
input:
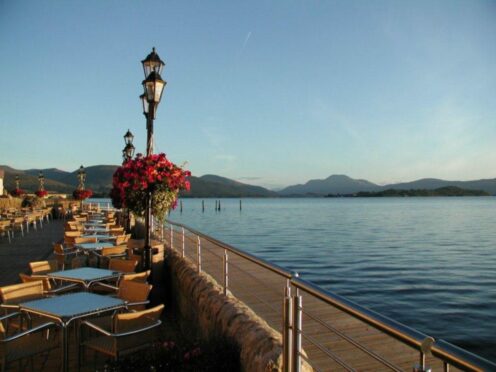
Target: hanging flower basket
[
  {"x": 17, "y": 192},
  {"x": 154, "y": 174},
  {"x": 41, "y": 193},
  {"x": 82, "y": 194}
]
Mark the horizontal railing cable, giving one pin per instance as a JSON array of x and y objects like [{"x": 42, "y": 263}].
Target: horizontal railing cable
[
  {"x": 327, "y": 352},
  {"x": 353, "y": 342}
]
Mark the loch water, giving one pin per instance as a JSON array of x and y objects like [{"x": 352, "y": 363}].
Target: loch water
[{"x": 429, "y": 263}]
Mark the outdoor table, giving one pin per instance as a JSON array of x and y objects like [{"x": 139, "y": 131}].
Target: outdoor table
[
  {"x": 94, "y": 224},
  {"x": 93, "y": 246},
  {"x": 100, "y": 237},
  {"x": 69, "y": 307},
  {"x": 85, "y": 275},
  {"x": 95, "y": 230}
]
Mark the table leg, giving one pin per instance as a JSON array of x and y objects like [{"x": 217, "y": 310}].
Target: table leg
[{"x": 65, "y": 347}]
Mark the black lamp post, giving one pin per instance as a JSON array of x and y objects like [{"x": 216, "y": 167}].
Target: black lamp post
[
  {"x": 81, "y": 177},
  {"x": 153, "y": 86},
  {"x": 41, "y": 179},
  {"x": 128, "y": 151}
]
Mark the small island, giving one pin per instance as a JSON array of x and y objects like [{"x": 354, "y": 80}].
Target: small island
[{"x": 442, "y": 191}]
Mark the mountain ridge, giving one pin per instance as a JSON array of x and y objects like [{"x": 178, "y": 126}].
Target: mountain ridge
[{"x": 99, "y": 179}]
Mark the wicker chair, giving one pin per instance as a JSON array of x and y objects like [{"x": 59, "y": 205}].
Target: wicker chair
[
  {"x": 123, "y": 334},
  {"x": 24, "y": 343}
]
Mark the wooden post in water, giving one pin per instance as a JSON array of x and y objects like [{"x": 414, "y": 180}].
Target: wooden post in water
[
  {"x": 203, "y": 205},
  {"x": 240, "y": 204},
  {"x": 216, "y": 205},
  {"x": 219, "y": 206},
  {"x": 181, "y": 206}
]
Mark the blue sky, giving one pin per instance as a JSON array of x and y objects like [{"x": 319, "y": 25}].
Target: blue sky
[{"x": 266, "y": 92}]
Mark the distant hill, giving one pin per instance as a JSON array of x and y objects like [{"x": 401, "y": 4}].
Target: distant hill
[
  {"x": 99, "y": 179},
  {"x": 442, "y": 191},
  {"x": 215, "y": 186},
  {"x": 487, "y": 185},
  {"x": 342, "y": 185},
  {"x": 29, "y": 181},
  {"x": 335, "y": 184}
]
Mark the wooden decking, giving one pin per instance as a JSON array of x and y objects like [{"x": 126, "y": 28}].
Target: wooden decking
[{"x": 263, "y": 291}]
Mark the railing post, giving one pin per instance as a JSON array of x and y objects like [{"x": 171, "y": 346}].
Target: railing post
[
  {"x": 184, "y": 252},
  {"x": 226, "y": 272},
  {"x": 199, "y": 255},
  {"x": 425, "y": 348},
  {"x": 171, "y": 235},
  {"x": 286, "y": 328},
  {"x": 297, "y": 328}
]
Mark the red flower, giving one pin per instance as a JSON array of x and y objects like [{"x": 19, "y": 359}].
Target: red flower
[{"x": 41, "y": 193}]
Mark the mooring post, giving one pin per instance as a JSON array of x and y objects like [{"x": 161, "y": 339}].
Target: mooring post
[
  {"x": 181, "y": 206},
  {"x": 219, "y": 205},
  {"x": 240, "y": 204},
  {"x": 203, "y": 205}
]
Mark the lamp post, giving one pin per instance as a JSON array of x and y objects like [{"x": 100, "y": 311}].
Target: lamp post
[
  {"x": 128, "y": 151},
  {"x": 41, "y": 179},
  {"x": 81, "y": 177},
  {"x": 127, "y": 154},
  {"x": 17, "y": 182},
  {"x": 153, "y": 87}
]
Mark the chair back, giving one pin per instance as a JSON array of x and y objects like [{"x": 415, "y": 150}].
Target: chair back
[
  {"x": 17, "y": 293},
  {"x": 86, "y": 239},
  {"x": 43, "y": 267},
  {"x": 125, "y": 266},
  {"x": 122, "y": 239},
  {"x": 126, "y": 322},
  {"x": 134, "y": 292},
  {"x": 137, "y": 277},
  {"x": 28, "y": 279},
  {"x": 72, "y": 234},
  {"x": 110, "y": 251}
]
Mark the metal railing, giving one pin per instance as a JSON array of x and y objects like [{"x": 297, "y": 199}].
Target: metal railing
[{"x": 293, "y": 315}]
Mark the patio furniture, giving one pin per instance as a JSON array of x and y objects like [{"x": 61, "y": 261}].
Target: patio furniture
[
  {"x": 63, "y": 255},
  {"x": 49, "y": 287},
  {"x": 43, "y": 267},
  {"x": 129, "y": 332},
  {"x": 12, "y": 295},
  {"x": 67, "y": 308},
  {"x": 5, "y": 229},
  {"x": 85, "y": 276},
  {"x": 24, "y": 344}
]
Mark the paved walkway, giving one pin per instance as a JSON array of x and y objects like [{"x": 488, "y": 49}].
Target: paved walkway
[{"x": 35, "y": 245}]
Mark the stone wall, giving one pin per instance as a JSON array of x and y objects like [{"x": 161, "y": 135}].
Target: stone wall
[{"x": 206, "y": 312}]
